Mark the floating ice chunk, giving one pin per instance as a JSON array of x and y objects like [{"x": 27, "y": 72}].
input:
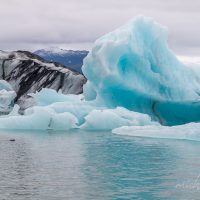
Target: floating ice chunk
[
  {"x": 63, "y": 121},
  {"x": 6, "y": 100},
  {"x": 108, "y": 119},
  {"x": 7, "y": 96},
  {"x": 14, "y": 111},
  {"x": 104, "y": 120},
  {"x": 39, "y": 118},
  {"x": 48, "y": 96},
  {"x": 133, "y": 67},
  {"x": 5, "y": 86},
  {"x": 80, "y": 110},
  {"x": 188, "y": 131},
  {"x": 35, "y": 119}
]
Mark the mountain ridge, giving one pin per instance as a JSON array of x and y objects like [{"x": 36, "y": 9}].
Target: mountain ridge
[{"x": 73, "y": 59}]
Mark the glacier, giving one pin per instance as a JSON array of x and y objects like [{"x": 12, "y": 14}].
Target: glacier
[{"x": 134, "y": 81}]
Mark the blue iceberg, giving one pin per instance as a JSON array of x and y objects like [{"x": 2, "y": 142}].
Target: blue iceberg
[
  {"x": 133, "y": 67},
  {"x": 134, "y": 80}
]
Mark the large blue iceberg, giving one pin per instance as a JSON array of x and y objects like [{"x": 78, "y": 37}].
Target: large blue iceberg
[
  {"x": 133, "y": 67},
  {"x": 134, "y": 80}
]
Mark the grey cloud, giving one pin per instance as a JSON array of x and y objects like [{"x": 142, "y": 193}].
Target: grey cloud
[{"x": 34, "y": 23}]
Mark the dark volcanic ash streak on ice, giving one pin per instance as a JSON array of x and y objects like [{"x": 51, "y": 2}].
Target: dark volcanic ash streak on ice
[{"x": 28, "y": 73}]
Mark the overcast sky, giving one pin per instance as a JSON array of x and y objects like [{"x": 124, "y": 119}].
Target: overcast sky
[{"x": 76, "y": 24}]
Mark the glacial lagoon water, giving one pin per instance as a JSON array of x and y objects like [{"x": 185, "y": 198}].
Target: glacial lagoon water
[{"x": 97, "y": 165}]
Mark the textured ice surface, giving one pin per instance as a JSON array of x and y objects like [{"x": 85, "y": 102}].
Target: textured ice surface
[
  {"x": 48, "y": 96},
  {"x": 39, "y": 118},
  {"x": 64, "y": 112},
  {"x": 134, "y": 80},
  {"x": 7, "y": 96},
  {"x": 133, "y": 67},
  {"x": 108, "y": 119}
]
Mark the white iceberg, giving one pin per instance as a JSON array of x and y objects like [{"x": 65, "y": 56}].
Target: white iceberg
[
  {"x": 39, "y": 118},
  {"x": 108, "y": 119},
  {"x": 190, "y": 131}
]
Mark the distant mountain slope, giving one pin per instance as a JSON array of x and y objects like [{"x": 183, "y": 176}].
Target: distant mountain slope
[
  {"x": 69, "y": 58},
  {"x": 28, "y": 73}
]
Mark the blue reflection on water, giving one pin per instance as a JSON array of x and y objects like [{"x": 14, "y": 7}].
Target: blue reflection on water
[{"x": 97, "y": 165}]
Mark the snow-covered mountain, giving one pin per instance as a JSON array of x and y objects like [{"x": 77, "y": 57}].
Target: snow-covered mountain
[
  {"x": 69, "y": 58},
  {"x": 28, "y": 73}
]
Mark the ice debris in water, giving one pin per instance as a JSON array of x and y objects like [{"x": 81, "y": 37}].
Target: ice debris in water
[
  {"x": 188, "y": 131},
  {"x": 134, "y": 79},
  {"x": 73, "y": 112},
  {"x": 39, "y": 118}
]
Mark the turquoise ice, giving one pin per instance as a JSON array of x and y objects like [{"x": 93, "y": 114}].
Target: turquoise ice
[
  {"x": 134, "y": 80},
  {"x": 133, "y": 67}
]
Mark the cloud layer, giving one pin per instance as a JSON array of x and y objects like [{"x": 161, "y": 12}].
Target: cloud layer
[{"x": 31, "y": 24}]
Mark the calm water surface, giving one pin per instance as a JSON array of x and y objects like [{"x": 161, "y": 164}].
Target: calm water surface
[{"x": 97, "y": 166}]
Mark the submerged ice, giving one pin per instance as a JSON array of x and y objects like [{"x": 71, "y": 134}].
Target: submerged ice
[{"x": 134, "y": 80}]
